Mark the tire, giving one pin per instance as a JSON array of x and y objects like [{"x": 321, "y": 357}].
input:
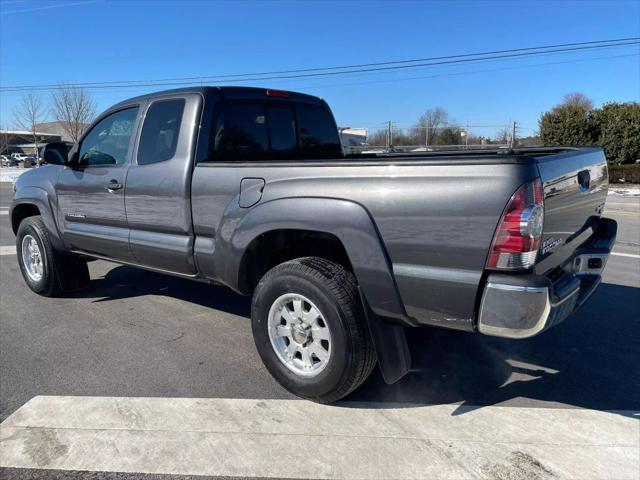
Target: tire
[
  {"x": 349, "y": 355},
  {"x": 56, "y": 272}
]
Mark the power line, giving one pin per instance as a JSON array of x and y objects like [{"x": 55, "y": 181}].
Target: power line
[
  {"x": 392, "y": 80},
  {"x": 469, "y": 72},
  {"x": 349, "y": 69},
  {"x": 46, "y": 7},
  {"x": 342, "y": 67}
]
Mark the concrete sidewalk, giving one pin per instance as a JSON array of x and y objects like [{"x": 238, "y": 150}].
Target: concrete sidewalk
[{"x": 295, "y": 438}]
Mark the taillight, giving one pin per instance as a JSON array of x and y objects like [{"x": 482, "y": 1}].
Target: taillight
[{"x": 517, "y": 239}]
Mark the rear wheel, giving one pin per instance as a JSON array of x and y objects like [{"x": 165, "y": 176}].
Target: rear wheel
[
  {"x": 310, "y": 330},
  {"x": 46, "y": 271}
]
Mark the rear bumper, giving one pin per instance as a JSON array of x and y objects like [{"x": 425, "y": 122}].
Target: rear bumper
[{"x": 521, "y": 306}]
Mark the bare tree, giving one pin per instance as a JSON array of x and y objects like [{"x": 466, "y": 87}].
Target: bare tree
[
  {"x": 503, "y": 136},
  {"x": 430, "y": 121},
  {"x": 378, "y": 138},
  {"x": 28, "y": 115},
  {"x": 577, "y": 100},
  {"x": 73, "y": 108}
]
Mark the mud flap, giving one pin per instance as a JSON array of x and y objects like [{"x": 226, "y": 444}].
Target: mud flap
[
  {"x": 390, "y": 343},
  {"x": 72, "y": 272}
]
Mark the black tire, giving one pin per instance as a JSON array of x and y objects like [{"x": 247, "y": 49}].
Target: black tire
[
  {"x": 333, "y": 289},
  {"x": 60, "y": 273}
]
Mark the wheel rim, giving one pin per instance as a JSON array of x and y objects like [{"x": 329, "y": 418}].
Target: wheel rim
[
  {"x": 32, "y": 258},
  {"x": 299, "y": 334}
]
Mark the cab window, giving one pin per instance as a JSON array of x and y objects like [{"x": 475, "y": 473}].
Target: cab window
[
  {"x": 107, "y": 144},
  {"x": 160, "y": 131},
  {"x": 245, "y": 131},
  {"x": 282, "y": 130},
  {"x": 240, "y": 132},
  {"x": 318, "y": 133}
]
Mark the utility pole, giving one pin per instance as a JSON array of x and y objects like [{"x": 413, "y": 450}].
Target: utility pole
[
  {"x": 466, "y": 137},
  {"x": 426, "y": 135},
  {"x": 389, "y": 134},
  {"x": 513, "y": 134}
]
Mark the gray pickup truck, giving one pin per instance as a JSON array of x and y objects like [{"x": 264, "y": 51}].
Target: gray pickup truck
[{"x": 343, "y": 255}]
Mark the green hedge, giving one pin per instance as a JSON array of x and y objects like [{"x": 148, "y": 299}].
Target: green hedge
[
  {"x": 615, "y": 126},
  {"x": 624, "y": 173}
]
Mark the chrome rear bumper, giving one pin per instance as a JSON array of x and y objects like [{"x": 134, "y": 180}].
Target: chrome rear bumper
[{"x": 523, "y": 306}]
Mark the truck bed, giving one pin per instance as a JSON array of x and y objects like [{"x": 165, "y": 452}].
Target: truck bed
[
  {"x": 498, "y": 155},
  {"x": 436, "y": 212}
]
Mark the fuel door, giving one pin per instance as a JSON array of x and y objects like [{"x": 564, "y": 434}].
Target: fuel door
[{"x": 250, "y": 191}]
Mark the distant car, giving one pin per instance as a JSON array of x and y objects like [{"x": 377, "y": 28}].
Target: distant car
[
  {"x": 23, "y": 158},
  {"x": 8, "y": 161},
  {"x": 29, "y": 161}
]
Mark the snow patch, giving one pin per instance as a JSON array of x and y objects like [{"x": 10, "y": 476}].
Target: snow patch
[
  {"x": 624, "y": 191},
  {"x": 11, "y": 174}
]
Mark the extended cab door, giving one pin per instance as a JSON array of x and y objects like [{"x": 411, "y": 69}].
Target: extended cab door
[
  {"x": 158, "y": 196},
  {"x": 91, "y": 192}
]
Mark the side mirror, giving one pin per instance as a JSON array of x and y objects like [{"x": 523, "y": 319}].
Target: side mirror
[{"x": 55, "y": 154}]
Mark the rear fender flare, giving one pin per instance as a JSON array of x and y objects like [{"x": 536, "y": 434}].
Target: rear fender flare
[{"x": 348, "y": 221}]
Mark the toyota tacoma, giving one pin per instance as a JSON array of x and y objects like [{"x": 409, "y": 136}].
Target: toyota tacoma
[{"x": 344, "y": 255}]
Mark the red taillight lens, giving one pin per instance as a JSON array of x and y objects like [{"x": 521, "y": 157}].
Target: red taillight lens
[
  {"x": 517, "y": 239},
  {"x": 277, "y": 93}
]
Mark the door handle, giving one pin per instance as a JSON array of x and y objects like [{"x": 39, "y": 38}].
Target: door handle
[{"x": 114, "y": 185}]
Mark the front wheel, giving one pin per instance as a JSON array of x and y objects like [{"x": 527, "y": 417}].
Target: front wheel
[
  {"x": 46, "y": 271},
  {"x": 310, "y": 331}
]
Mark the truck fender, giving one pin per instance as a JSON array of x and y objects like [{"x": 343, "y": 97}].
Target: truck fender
[
  {"x": 348, "y": 221},
  {"x": 40, "y": 198},
  {"x": 353, "y": 226}
]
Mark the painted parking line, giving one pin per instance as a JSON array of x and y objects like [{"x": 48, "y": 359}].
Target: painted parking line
[
  {"x": 623, "y": 213},
  {"x": 295, "y": 438},
  {"x": 629, "y": 255},
  {"x": 7, "y": 249}
]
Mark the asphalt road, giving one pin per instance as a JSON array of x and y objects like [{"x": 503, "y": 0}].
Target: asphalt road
[{"x": 138, "y": 334}]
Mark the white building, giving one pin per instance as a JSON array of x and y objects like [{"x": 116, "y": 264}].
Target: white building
[{"x": 354, "y": 140}]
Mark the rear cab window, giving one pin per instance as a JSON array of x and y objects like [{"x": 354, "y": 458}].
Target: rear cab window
[
  {"x": 160, "y": 131},
  {"x": 282, "y": 129},
  {"x": 256, "y": 130},
  {"x": 318, "y": 134},
  {"x": 240, "y": 132}
]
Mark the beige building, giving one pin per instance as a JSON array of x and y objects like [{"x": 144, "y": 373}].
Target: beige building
[{"x": 21, "y": 141}]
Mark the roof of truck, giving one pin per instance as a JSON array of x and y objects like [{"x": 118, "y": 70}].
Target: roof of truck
[{"x": 228, "y": 92}]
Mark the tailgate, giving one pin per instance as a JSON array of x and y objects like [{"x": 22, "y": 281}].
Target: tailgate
[{"x": 575, "y": 189}]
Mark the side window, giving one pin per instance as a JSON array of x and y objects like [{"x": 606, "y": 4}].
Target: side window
[
  {"x": 108, "y": 141},
  {"x": 318, "y": 133},
  {"x": 159, "y": 137},
  {"x": 240, "y": 133}
]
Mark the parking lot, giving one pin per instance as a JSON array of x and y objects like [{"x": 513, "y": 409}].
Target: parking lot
[{"x": 194, "y": 398}]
